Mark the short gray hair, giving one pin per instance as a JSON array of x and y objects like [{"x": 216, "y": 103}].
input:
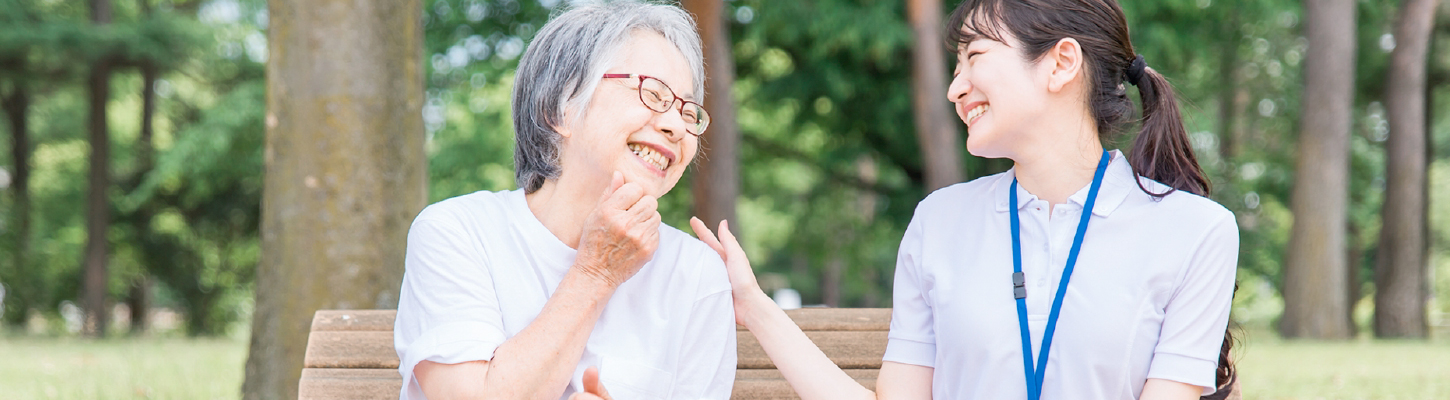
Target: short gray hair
[{"x": 565, "y": 63}]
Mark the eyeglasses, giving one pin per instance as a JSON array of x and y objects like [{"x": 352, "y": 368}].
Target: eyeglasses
[{"x": 658, "y": 97}]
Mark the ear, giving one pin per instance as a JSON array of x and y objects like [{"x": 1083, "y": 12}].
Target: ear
[
  {"x": 1065, "y": 60},
  {"x": 565, "y": 127}
]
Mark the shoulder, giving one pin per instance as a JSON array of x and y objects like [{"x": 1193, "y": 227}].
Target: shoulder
[
  {"x": 691, "y": 259},
  {"x": 1185, "y": 208},
  {"x": 465, "y": 209},
  {"x": 976, "y": 194},
  {"x": 975, "y": 191}
]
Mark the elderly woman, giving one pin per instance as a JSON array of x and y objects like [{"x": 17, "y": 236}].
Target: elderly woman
[{"x": 516, "y": 294}]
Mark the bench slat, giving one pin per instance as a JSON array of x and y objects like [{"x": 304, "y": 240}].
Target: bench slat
[
  {"x": 339, "y": 384},
  {"x": 352, "y": 383},
  {"x": 763, "y": 387},
  {"x": 353, "y": 320},
  {"x": 859, "y": 349},
  {"x": 350, "y": 349},
  {"x": 841, "y": 319},
  {"x": 774, "y": 374}
]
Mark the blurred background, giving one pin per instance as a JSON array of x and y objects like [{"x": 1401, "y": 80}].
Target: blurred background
[{"x": 132, "y": 177}]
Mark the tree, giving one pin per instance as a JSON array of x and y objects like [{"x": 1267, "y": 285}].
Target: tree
[
  {"x": 16, "y": 104},
  {"x": 936, "y": 131},
  {"x": 1400, "y": 270},
  {"x": 717, "y": 176},
  {"x": 345, "y": 171},
  {"x": 1315, "y": 301},
  {"x": 98, "y": 205}
]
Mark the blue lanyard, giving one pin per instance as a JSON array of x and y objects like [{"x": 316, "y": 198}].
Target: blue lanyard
[{"x": 1019, "y": 282}]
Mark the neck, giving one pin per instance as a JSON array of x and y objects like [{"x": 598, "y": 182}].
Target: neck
[
  {"x": 562, "y": 205},
  {"x": 1055, "y": 172}
]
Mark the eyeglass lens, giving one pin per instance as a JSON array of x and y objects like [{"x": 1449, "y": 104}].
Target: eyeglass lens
[{"x": 659, "y": 97}]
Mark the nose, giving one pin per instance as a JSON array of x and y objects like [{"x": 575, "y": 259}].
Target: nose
[
  {"x": 959, "y": 88},
  {"x": 672, "y": 123}
]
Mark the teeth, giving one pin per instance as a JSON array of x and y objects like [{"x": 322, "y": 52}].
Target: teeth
[
  {"x": 976, "y": 112},
  {"x": 650, "y": 155}
]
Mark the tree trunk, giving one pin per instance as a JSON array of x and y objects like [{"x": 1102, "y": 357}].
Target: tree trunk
[
  {"x": 717, "y": 174},
  {"x": 98, "y": 215},
  {"x": 345, "y": 171},
  {"x": 139, "y": 297},
  {"x": 1314, "y": 270},
  {"x": 1227, "y": 96},
  {"x": 1400, "y": 271},
  {"x": 936, "y": 125},
  {"x": 16, "y": 104}
]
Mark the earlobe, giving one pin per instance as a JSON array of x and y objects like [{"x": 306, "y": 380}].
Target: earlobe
[{"x": 1066, "y": 59}]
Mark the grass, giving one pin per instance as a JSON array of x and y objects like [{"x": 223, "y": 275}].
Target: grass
[
  {"x": 179, "y": 368},
  {"x": 149, "y": 368},
  {"x": 1275, "y": 369}
]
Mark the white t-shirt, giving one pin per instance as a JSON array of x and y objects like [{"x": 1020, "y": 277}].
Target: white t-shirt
[
  {"x": 480, "y": 267},
  {"x": 1149, "y": 297}
]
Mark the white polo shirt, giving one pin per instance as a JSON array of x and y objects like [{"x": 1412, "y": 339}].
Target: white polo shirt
[
  {"x": 1149, "y": 297},
  {"x": 480, "y": 267}
]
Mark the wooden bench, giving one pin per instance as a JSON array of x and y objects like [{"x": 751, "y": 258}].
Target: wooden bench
[{"x": 350, "y": 353}]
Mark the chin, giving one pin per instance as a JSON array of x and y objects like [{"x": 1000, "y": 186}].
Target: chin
[{"x": 983, "y": 147}]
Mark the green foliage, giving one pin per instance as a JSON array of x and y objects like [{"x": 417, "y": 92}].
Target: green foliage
[
  {"x": 188, "y": 217},
  {"x": 831, "y": 170}
]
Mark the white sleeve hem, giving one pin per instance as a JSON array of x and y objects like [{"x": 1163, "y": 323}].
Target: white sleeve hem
[
  {"x": 451, "y": 343},
  {"x": 1184, "y": 369},
  {"x": 910, "y": 352}
]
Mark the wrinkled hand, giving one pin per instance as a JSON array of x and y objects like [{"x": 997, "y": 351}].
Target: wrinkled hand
[
  {"x": 621, "y": 234},
  {"x": 593, "y": 390},
  {"x": 744, "y": 287}
]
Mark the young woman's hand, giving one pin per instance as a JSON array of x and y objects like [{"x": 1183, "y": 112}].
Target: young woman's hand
[
  {"x": 621, "y": 235},
  {"x": 745, "y": 288}
]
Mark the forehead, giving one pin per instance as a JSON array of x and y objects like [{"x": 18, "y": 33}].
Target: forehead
[{"x": 647, "y": 52}]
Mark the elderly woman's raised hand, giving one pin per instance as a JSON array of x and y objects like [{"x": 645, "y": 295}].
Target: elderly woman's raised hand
[{"x": 621, "y": 234}]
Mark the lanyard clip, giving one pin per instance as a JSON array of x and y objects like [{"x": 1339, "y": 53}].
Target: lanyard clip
[{"x": 1019, "y": 285}]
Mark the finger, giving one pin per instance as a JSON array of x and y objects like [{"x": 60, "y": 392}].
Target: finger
[
  {"x": 627, "y": 195},
  {"x": 703, "y": 232},
  {"x": 615, "y": 182},
  {"x": 727, "y": 239},
  {"x": 592, "y": 384},
  {"x": 644, "y": 226},
  {"x": 645, "y": 206}
]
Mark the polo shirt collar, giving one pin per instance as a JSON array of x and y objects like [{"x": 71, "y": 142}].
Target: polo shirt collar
[{"x": 1117, "y": 184}]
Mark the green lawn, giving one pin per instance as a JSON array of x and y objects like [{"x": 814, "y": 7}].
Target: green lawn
[
  {"x": 164, "y": 368},
  {"x": 177, "y": 368},
  {"x": 1274, "y": 369}
]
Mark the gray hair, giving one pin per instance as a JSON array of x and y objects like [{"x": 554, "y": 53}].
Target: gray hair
[{"x": 565, "y": 63}]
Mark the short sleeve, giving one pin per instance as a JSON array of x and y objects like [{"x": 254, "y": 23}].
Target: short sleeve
[
  {"x": 448, "y": 311},
  {"x": 1197, "y": 314},
  {"x": 912, "y": 339}
]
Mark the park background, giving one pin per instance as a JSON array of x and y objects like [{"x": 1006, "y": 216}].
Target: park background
[{"x": 137, "y": 134}]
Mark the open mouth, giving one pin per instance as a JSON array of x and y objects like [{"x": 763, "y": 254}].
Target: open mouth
[
  {"x": 650, "y": 156},
  {"x": 976, "y": 113}
]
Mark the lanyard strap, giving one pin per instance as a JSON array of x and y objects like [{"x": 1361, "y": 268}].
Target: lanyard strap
[{"x": 1033, "y": 375}]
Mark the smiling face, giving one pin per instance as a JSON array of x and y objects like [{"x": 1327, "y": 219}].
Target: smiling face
[
  {"x": 999, "y": 95},
  {"x": 619, "y": 133}
]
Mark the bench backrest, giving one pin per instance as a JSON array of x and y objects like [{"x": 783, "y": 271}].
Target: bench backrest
[{"x": 350, "y": 353}]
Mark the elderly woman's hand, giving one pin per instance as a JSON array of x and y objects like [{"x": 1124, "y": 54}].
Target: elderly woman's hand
[
  {"x": 621, "y": 234},
  {"x": 593, "y": 390}
]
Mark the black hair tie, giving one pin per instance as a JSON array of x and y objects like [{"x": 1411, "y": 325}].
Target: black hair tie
[{"x": 1135, "y": 70}]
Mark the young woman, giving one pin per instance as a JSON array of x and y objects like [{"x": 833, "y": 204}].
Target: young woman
[{"x": 1078, "y": 274}]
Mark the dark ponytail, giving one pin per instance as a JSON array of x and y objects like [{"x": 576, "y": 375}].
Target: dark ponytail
[{"x": 1162, "y": 151}]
